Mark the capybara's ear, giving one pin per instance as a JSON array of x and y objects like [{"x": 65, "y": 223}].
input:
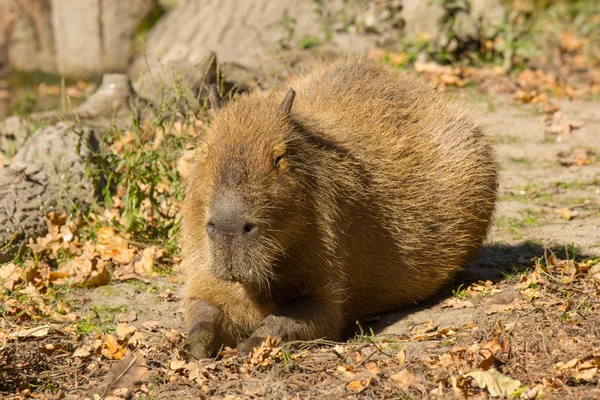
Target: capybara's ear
[
  {"x": 216, "y": 101},
  {"x": 286, "y": 105}
]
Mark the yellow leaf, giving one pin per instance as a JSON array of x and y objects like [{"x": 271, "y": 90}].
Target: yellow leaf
[
  {"x": 355, "y": 386},
  {"x": 112, "y": 349}
]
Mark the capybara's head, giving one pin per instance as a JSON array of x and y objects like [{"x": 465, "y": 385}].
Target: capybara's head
[{"x": 245, "y": 197}]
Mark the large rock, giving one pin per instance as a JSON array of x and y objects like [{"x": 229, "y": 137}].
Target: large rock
[
  {"x": 240, "y": 32},
  {"x": 177, "y": 85},
  {"x": 71, "y": 37},
  {"x": 47, "y": 173},
  {"x": 26, "y": 30},
  {"x": 422, "y": 18},
  {"x": 93, "y": 36}
]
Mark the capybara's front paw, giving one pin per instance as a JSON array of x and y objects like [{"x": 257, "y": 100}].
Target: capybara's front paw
[
  {"x": 203, "y": 341},
  {"x": 245, "y": 347}
]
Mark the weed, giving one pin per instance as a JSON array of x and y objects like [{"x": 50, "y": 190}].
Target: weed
[
  {"x": 460, "y": 292},
  {"x": 309, "y": 41},
  {"x": 86, "y": 326}
]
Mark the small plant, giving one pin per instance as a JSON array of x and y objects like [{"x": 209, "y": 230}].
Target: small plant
[
  {"x": 25, "y": 105},
  {"x": 308, "y": 41},
  {"x": 460, "y": 292}
]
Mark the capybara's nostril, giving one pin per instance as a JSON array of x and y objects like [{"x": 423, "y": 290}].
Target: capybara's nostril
[
  {"x": 250, "y": 229},
  {"x": 211, "y": 229}
]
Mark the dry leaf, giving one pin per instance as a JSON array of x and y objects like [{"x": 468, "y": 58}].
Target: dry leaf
[
  {"x": 496, "y": 383},
  {"x": 176, "y": 365},
  {"x": 112, "y": 349},
  {"x": 11, "y": 275},
  {"x": 404, "y": 379},
  {"x": 86, "y": 270},
  {"x": 38, "y": 332},
  {"x": 113, "y": 246},
  {"x": 373, "y": 368},
  {"x": 152, "y": 325},
  {"x": 401, "y": 356},
  {"x": 355, "y": 386},
  {"x": 145, "y": 265},
  {"x": 457, "y": 303},
  {"x": 184, "y": 163},
  {"x": 565, "y": 213},
  {"x": 127, "y": 317},
  {"x": 267, "y": 354},
  {"x": 124, "y": 331},
  {"x": 82, "y": 352}
]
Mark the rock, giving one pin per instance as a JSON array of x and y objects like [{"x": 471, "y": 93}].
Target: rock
[
  {"x": 465, "y": 27},
  {"x": 112, "y": 100},
  {"x": 71, "y": 37},
  {"x": 93, "y": 36},
  {"x": 422, "y": 18},
  {"x": 245, "y": 33},
  {"x": 47, "y": 173},
  {"x": 491, "y": 15},
  {"x": 13, "y": 133},
  {"x": 27, "y": 32},
  {"x": 177, "y": 84}
]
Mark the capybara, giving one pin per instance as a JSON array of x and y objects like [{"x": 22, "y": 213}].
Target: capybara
[{"x": 358, "y": 192}]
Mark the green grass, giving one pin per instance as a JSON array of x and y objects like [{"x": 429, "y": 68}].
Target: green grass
[
  {"x": 309, "y": 41},
  {"x": 514, "y": 226},
  {"x": 460, "y": 292}
]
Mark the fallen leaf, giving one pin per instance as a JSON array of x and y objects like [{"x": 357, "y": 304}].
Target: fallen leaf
[
  {"x": 11, "y": 275},
  {"x": 38, "y": 332},
  {"x": 373, "y": 368},
  {"x": 113, "y": 246},
  {"x": 496, "y": 383},
  {"x": 124, "y": 331},
  {"x": 267, "y": 354},
  {"x": 457, "y": 303},
  {"x": 145, "y": 265},
  {"x": 82, "y": 352},
  {"x": 177, "y": 365},
  {"x": 127, "y": 317},
  {"x": 184, "y": 163},
  {"x": 404, "y": 379},
  {"x": 152, "y": 325},
  {"x": 111, "y": 348},
  {"x": 355, "y": 386},
  {"x": 401, "y": 356},
  {"x": 565, "y": 213}
]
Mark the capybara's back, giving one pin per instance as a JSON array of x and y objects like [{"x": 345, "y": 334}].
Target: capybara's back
[
  {"x": 416, "y": 205},
  {"x": 363, "y": 193}
]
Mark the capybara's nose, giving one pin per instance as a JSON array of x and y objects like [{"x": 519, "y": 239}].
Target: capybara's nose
[
  {"x": 216, "y": 227},
  {"x": 229, "y": 216}
]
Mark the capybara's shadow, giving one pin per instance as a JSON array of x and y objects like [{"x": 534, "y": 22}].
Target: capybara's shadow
[{"x": 495, "y": 263}]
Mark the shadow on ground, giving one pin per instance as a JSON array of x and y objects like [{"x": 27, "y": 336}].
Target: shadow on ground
[{"x": 497, "y": 263}]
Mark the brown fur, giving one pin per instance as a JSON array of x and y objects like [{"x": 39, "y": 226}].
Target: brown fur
[{"x": 384, "y": 192}]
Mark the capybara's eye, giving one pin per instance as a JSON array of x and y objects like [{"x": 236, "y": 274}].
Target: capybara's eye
[{"x": 278, "y": 160}]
